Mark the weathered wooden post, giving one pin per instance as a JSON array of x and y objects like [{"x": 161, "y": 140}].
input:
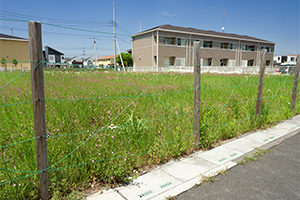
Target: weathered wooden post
[
  {"x": 37, "y": 83},
  {"x": 260, "y": 87},
  {"x": 197, "y": 79},
  {"x": 295, "y": 86}
]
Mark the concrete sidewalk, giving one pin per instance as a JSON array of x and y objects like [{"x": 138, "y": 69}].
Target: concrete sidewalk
[{"x": 180, "y": 175}]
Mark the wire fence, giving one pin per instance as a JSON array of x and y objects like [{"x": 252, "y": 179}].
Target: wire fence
[{"x": 105, "y": 125}]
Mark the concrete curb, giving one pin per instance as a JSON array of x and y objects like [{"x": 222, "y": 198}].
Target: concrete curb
[{"x": 180, "y": 175}]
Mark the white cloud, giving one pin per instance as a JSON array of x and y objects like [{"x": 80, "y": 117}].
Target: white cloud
[{"x": 167, "y": 14}]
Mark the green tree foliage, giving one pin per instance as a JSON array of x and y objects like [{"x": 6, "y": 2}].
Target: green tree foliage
[
  {"x": 3, "y": 61},
  {"x": 15, "y": 62},
  {"x": 127, "y": 59}
]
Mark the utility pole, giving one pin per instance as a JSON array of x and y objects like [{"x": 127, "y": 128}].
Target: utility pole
[
  {"x": 115, "y": 39},
  {"x": 12, "y": 32},
  {"x": 83, "y": 49},
  {"x": 95, "y": 53}
]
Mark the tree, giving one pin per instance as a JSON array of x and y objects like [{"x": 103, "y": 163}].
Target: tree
[
  {"x": 3, "y": 62},
  {"x": 15, "y": 62},
  {"x": 127, "y": 59}
]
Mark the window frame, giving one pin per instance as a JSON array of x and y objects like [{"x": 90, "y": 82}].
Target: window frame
[
  {"x": 170, "y": 41},
  {"x": 182, "y": 41},
  {"x": 224, "y": 45},
  {"x": 208, "y": 42},
  {"x": 230, "y": 44}
]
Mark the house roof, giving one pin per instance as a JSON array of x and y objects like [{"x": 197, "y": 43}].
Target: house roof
[
  {"x": 178, "y": 29},
  {"x": 10, "y": 37},
  {"x": 54, "y": 50},
  {"x": 106, "y": 57}
]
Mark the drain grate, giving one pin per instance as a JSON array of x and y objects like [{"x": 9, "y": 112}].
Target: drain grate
[
  {"x": 232, "y": 155},
  {"x": 145, "y": 194},
  {"x": 166, "y": 185}
]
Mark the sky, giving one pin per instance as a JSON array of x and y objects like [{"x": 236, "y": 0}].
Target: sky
[{"x": 69, "y": 26}]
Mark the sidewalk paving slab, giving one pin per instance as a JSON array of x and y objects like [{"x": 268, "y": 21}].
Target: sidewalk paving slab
[
  {"x": 220, "y": 155},
  {"x": 180, "y": 175},
  {"x": 149, "y": 185},
  {"x": 189, "y": 168}
]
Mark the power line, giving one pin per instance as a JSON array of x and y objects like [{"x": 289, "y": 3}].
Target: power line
[
  {"x": 23, "y": 16},
  {"x": 58, "y": 33}
]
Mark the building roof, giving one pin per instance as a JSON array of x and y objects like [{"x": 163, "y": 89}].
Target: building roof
[
  {"x": 178, "y": 29},
  {"x": 106, "y": 57},
  {"x": 47, "y": 47},
  {"x": 10, "y": 37}
]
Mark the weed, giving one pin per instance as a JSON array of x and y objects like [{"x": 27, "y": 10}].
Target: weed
[
  {"x": 101, "y": 128},
  {"x": 260, "y": 152},
  {"x": 170, "y": 198},
  {"x": 223, "y": 172},
  {"x": 207, "y": 179},
  {"x": 246, "y": 159},
  {"x": 256, "y": 154}
]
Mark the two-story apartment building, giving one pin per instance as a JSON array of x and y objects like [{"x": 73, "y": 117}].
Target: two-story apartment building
[
  {"x": 168, "y": 45},
  {"x": 106, "y": 61}
]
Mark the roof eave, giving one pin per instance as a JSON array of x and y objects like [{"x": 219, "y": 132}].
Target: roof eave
[
  {"x": 15, "y": 39},
  {"x": 192, "y": 33}
]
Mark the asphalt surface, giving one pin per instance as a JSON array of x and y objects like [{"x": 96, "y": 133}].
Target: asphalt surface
[{"x": 274, "y": 176}]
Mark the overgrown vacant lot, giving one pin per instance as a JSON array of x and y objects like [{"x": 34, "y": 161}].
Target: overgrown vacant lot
[{"x": 103, "y": 129}]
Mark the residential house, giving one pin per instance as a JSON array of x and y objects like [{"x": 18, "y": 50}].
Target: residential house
[
  {"x": 76, "y": 62},
  {"x": 106, "y": 61},
  {"x": 168, "y": 45},
  {"x": 278, "y": 60},
  {"x": 12, "y": 47},
  {"x": 53, "y": 58},
  {"x": 88, "y": 61}
]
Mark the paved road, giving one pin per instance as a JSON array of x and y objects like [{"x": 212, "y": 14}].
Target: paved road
[{"x": 274, "y": 176}]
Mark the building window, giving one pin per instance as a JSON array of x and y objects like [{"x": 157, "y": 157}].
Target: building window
[
  {"x": 155, "y": 39},
  {"x": 169, "y": 40},
  {"x": 251, "y": 47},
  {"x": 224, "y": 45},
  {"x": 248, "y": 47},
  {"x": 181, "y": 42},
  {"x": 293, "y": 59},
  {"x": 207, "y": 44},
  {"x": 224, "y": 62},
  {"x": 232, "y": 46},
  {"x": 207, "y": 61},
  {"x": 269, "y": 49},
  {"x": 250, "y": 62},
  {"x": 169, "y": 61}
]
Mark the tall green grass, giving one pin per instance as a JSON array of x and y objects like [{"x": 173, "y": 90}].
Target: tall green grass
[{"x": 101, "y": 128}]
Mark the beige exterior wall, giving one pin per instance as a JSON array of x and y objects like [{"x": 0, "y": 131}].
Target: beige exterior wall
[
  {"x": 15, "y": 49},
  {"x": 145, "y": 49},
  {"x": 142, "y": 50},
  {"x": 106, "y": 62}
]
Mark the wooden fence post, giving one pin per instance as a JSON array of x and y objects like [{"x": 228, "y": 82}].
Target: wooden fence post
[
  {"x": 197, "y": 79},
  {"x": 37, "y": 83},
  {"x": 262, "y": 67},
  {"x": 296, "y": 79}
]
